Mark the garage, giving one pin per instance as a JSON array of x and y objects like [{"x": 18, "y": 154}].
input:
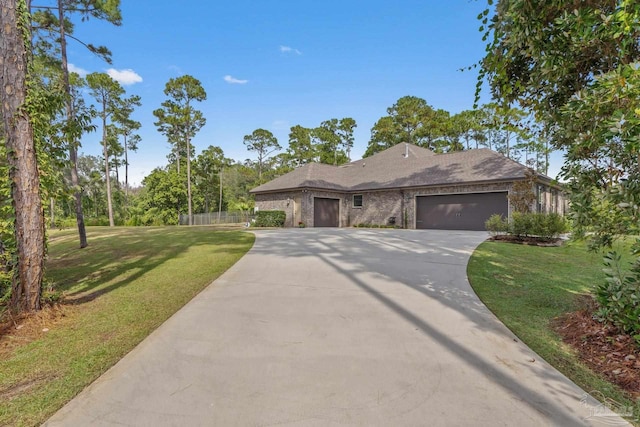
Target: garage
[
  {"x": 459, "y": 211},
  {"x": 326, "y": 212}
]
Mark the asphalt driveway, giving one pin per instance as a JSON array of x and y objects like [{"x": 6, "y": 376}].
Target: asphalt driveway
[{"x": 336, "y": 327}]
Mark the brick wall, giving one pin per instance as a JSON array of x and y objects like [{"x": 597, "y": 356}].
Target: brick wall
[
  {"x": 280, "y": 202},
  {"x": 308, "y": 206},
  {"x": 379, "y": 206}
]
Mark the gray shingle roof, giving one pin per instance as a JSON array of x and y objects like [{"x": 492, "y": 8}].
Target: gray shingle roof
[{"x": 392, "y": 169}]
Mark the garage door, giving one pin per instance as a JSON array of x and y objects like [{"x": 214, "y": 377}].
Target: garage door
[
  {"x": 459, "y": 211},
  {"x": 326, "y": 212}
]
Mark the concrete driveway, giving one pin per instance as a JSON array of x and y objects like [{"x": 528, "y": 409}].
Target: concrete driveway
[{"x": 332, "y": 327}]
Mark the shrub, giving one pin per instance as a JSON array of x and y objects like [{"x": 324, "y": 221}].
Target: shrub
[
  {"x": 97, "y": 221},
  {"x": 619, "y": 297},
  {"x": 521, "y": 224},
  {"x": 545, "y": 226},
  {"x": 270, "y": 219},
  {"x": 63, "y": 223},
  {"x": 496, "y": 224}
]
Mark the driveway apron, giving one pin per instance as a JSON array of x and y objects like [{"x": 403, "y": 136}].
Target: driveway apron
[{"x": 337, "y": 327}]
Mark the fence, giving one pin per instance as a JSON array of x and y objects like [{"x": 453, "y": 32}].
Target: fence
[{"x": 216, "y": 218}]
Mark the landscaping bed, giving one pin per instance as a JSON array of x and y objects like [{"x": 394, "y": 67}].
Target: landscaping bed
[{"x": 603, "y": 348}]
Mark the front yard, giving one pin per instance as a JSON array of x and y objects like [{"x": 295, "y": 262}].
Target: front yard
[
  {"x": 115, "y": 292},
  {"x": 530, "y": 288}
]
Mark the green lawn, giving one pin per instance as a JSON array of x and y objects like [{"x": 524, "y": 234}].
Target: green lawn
[
  {"x": 527, "y": 287},
  {"x": 117, "y": 290}
]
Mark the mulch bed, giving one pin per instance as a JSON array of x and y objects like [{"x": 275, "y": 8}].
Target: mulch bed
[
  {"x": 16, "y": 331},
  {"x": 526, "y": 240},
  {"x": 606, "y": 350}
]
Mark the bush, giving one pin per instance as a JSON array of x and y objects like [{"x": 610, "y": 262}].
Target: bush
[
  {"x": 270, "y": 219},
  {"x": 521, "y": 224},
  {"x": 496, "y": 224},
  {"x": 544, "y": 226},
  {"x": 97, "y": 221},
  {"x": 619, "y": 297},
  {"x": 63, "y": 223},
  {"x": 547, "y": 226}
]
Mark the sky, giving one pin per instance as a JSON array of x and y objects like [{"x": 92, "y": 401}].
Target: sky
[{"x": 275, "y": 64}]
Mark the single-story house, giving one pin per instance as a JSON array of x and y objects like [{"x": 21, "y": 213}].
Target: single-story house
[{"x": 407, "y": 186}]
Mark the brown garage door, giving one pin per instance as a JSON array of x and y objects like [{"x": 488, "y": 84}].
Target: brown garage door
[
  {"x": 326, "y": 212},
  {"x": 459, "y": 211}
]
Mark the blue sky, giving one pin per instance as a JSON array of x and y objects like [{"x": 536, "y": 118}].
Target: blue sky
[{"x": 275, "y": 64}]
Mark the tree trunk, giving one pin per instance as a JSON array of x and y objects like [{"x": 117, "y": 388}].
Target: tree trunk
[
  {"x": 116, "y": 164},
  {"x": 73, "y": 146},
  {"x": 21, "y": 155},
  {"x": 220, "y": 201},
  {"x": 106, "y": 163},
  {"x": 126, "y": 170},
  {"x": 52, "y": 208},
  {"x": 189, "y": 181}
]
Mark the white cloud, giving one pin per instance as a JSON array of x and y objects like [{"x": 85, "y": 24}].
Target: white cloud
[
  {"x": 232, "y": 80},
  {"x": 280, "y": 125},
  {"x": 175, "y": 69},
  {"x": 73, "y": 69},
  {"x": 125, "y": 77},
  {"x": 288, "y": 49}
]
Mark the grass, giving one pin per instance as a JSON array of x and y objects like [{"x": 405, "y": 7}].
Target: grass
[
  {"x": 527, "y": 287},
  {"x": 119, "y": 289}
]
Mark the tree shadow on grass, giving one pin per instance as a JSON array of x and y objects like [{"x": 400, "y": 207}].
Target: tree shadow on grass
[{"x": 117, "y": 258}]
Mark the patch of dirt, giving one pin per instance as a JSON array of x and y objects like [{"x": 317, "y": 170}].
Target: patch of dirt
[
  {"x": 526, "y": 240},
  {"x": 8, "y": 393},
  {"x": 16, "y": 331},
  {"x": 606, "y": 350}
]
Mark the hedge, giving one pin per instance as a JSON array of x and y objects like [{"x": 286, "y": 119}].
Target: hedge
[{"x": 270, "y": 219}]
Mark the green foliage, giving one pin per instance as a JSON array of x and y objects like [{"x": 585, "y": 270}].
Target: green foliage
[
  {"x": 270, "y": 219},
  {"x": 575, "y": 65},
  {"x": 208, "y": 176},
  {"x": 496, "y": 224},
  {"x": 521, "y": 224},
  {"x": 163, "y": 200},
  {"x": 333, "y": 140},
  {"x": 7, "y": 236},
  {"x": 619, "y": 296},
  {"x": 410, "y": 120},
  {"x": 543, "y": 225},
  {"x": 301, "y": 150},
  {"x": 522, "y": 196},
  {"x": 264, "y": 144},
  {"x": 177, "y": 119}
]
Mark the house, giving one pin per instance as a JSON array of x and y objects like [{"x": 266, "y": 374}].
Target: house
[{"x": 407, "y": 186}]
